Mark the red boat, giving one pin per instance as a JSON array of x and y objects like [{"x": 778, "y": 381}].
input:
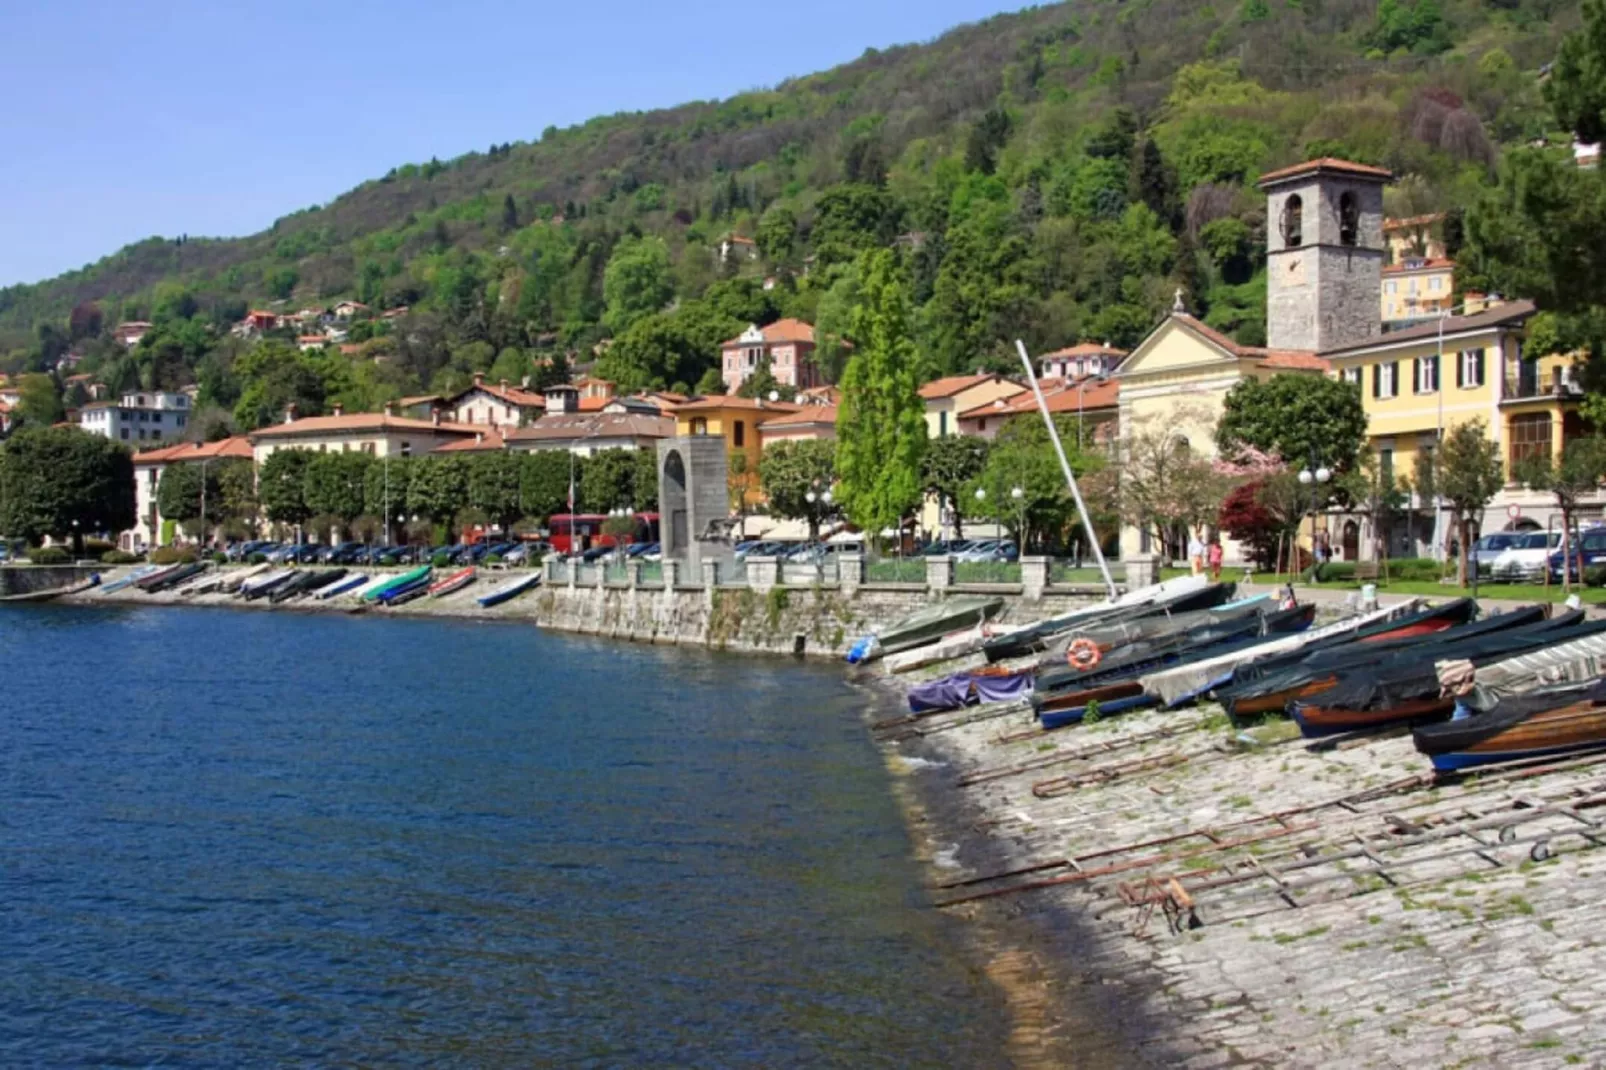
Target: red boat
[{"x": 455, "y": 582}]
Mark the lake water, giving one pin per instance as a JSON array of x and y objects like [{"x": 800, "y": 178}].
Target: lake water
[{"x": 232, "y": 838}]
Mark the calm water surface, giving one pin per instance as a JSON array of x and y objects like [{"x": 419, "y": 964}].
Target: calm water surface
[{"x": 262, "y": 838}]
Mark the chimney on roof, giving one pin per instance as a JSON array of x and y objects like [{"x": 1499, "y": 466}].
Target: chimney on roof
[
  {"x": 435, "y": 417},
  {"x": 504, "y": 384},
  {"x": 290, "y": 413},
  {"x": 339, "y": 409},
  {"x": 388, "y": 408},
  {"x": 525, "y": 382},
  {"x": 479, "y": 378}
]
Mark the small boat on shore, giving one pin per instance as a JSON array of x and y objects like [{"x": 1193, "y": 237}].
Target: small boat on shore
[
  {"x": 954, "y": 645},
  {"x": 402, "y": 593},
  {"x": 386, "y": 583},
  {"x": 453, "y": 583},
  {"x": 1180, "y": 595},
  {"x": 161, "y": 572},
  {"x": 129, "y": 580},
  {"x": 925, "y": 625},
  {"x": 235, "y": 580},
  {"x": 1549, "y": 723},
  {"x": 344, "y": 585},
  {"x": 304, "y": 583},
  {"x": 509, "y": 590},
  {"x": 181, "y": 574},
  {"x": 265, "y": 586}
]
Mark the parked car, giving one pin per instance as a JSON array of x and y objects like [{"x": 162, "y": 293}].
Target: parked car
[
  {"x": 1490, "y": 547},
  {"x": 762, "y": 549},
  {"x": 1525, "y": 560},
  {"x": 946, "y": 546},
  {"x": 1591, "y": 546},
  {"x": 989, "y": 550}
]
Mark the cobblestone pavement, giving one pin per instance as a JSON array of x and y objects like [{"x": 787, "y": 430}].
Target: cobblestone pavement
[{"x": 1345, "y": 911}]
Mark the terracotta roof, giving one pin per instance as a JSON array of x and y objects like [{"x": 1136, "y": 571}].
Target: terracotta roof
[
  {"x": 739, "y": 240},
  {"x": 1085, "y": 349},
  {"x": 236, "y": 446},
  {"x": 360, "y": 421},
  {"x": 318, "y": 338},
  {"x": 511, "y": 394},
  {"x": 418, "y": 399},
  {"x": 1499, "y": 316},
  {"x": 829, "y": 395},
  {"x": 808, "y": 414},
  {"x": 715, "y": 402},
  {"x": 1412, "y": 221},
  {"x": 787, "y": 330},
  {"x": 1328, "y": 163},
  {"x": 1437, "y": 263},
  {"x": 565, "y": 426},
  {"x": 489, "y": 439},
  {"x": 1061, "y": 397},
  {"x": 1291, "y": 359},
  {"x": 955, "y": 384}
]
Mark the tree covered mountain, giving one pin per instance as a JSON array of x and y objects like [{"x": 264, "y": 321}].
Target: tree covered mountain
[{"x": 1054, "y": 174}]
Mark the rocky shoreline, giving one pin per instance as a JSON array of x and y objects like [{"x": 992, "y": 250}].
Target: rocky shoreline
[{"x": 1359, "y": 914}]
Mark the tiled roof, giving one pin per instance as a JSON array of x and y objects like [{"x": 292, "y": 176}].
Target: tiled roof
[
  {"x": 489, "y": 439},
  {"x": 513, "y": 395},
  {"x": 787, "y": 330},
  {"x": 954, "y": 384},
  {"x": 418, "y": 399},
  {"x": 1438, "y": 263},
  {"x": 1291, "y": 359},
  {"x": 1061, "y": 397},
  {"x": 1499, "y": 316},
  {"x": 1412, "y": 221},
  {"x": 715, "y": 402},
  {"x": 359, "y": 421},
  {"x": 237, "y": 446},
  {"x": 310, "y": 338},
  {"x": 566, "y": 426},
  {"x": 1085, "y": 349},
  {"x": 808, "y": 414},
  {"x": 1328, "y": 163}
]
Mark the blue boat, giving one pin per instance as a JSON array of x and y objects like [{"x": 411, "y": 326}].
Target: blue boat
[
  {"x": 138, "y": 574},
  {"x": 1074, "y": 715},
  {"x": 402, "y": 592},
  {"x": 342, "y": 586},
  {"x": 509, "y": 590}
]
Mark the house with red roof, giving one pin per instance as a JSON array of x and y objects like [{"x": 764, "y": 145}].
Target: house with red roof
[
  {"x": 946, "y": 398},
  {"x": 785, "y": 347},
  {"x": 498, "y": 404},
  {"x": 149, "y": 529}
]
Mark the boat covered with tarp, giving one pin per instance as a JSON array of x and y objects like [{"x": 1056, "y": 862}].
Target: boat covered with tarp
[
  {"x": 1175, "y": 595},
  {"x": 1109, "y": 635},
  {"x": 925, "y": 625},
  {"x": 1405, "y": 685},
  {"x": 377, "y": 591},
  {"x": 1482, "y": 687},
  {"x": 1552, "y": 721},
  {"x": 343, "y": 585},
  {"x": 992, "y": 684},
  {"x": 129, "y": 580},
  {"x": 1179, "y": 684}
]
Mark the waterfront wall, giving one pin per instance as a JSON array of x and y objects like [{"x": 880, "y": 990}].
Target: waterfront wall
[
  {"x": 27, "y": 579},
  {"x": 817, "y": 619}
]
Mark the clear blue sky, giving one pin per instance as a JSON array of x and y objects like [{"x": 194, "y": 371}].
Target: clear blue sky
[{"x": 124, "y": 119}]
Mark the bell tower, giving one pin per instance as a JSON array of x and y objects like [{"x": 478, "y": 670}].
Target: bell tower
[{"x": 1324, "y": 254}]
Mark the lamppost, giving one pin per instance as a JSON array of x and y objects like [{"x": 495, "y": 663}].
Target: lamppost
[
  {"x": 822, "y": 498},
  {"x": 1018, "y": 495},
  {"x": 1315, "y": 480}
]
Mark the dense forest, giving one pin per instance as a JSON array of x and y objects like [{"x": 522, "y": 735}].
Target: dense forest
[{"x": 1054, "y": 174}]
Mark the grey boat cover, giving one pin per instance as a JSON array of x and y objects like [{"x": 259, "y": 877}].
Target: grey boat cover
[
  {"x": 1169, "y": 685},
  {"x": 1574, "y": 662},
  {"x": 1117, "y": 633}
]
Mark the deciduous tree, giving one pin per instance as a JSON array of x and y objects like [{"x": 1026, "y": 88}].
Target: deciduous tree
[
  {"x": 1469, "y": 476},
  {"x": 790, "y": 471},
  {"x": 281, "y": 486},
  {"x": 1578, "y": 473},
  {"x": 1296, "y": 417},
  {"x": 951, "y": 464}
]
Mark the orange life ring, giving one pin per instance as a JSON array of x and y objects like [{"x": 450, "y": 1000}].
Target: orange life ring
[{"x": 1083, "y": 654}]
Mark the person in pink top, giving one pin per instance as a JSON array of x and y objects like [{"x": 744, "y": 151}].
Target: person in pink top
[{"x": 1213, "y": 554}]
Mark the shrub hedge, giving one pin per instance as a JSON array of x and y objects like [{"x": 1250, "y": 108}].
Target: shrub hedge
[{"x": 117, "y": 557}]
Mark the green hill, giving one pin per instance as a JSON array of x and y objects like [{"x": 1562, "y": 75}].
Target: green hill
[{"x": 1053, "y": 174}]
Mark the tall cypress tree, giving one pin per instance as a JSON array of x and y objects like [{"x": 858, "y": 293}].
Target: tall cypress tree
[{"x": 881, "y": 434}]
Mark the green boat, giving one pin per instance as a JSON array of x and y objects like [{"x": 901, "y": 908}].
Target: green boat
[
  {"x": 405, "y": 578},
  {"x": 925, "y": 625}
]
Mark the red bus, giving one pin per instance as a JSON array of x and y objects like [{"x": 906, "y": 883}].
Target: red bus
[{"x": 581, "y": 531}]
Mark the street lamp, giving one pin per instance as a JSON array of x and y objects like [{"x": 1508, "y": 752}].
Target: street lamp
[
  {"x": 1315, "y": 481},
  {"x": 1018, "y": 495}
]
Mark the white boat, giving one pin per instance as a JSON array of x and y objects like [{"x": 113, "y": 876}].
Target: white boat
[
  {"x": 372, "y": 585},
  {"x": 954, "y": 645},
  {"x": 257, "y": 583},
  {"x": 344, "y": 585},
  {"x": 234, "y": 581},
  {"x": 508, "y": 590}
]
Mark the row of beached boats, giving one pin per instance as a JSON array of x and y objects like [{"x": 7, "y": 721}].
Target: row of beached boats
[
  {"x": 1517, "y": 685},
  {"x": 359, "y": 590}
]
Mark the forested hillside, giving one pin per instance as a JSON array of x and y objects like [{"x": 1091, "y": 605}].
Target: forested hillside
[{"x": 1054, "y": 174}]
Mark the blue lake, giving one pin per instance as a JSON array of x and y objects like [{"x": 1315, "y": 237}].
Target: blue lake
[{"x": 267, "y": 838}]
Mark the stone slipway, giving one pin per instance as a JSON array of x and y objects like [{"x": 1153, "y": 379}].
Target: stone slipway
[{"x": 1465, "y": 959}]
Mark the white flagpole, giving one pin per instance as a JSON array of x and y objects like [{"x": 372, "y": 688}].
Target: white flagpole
[{"x": 1065, "y": 465}]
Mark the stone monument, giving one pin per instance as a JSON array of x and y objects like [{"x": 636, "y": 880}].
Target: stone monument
[{"x": 694, "y": 502}]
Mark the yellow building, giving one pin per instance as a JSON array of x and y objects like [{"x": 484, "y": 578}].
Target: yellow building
[
  {"x": 737, "y": 420},
  {"x": 1175, "y": 384},
  {"x": 946, "y": 398},
  {"x": 1528, "y": 405},
  {"x": 1417, "y": 289}
]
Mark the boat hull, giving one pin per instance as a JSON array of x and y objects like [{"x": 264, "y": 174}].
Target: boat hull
[
  {"x": 507, "y": 592},
  {"x": 1316, "y": 720}
]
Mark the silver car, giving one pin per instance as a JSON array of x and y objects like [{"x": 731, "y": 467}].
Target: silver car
[{"x": 1527, "y": 559}]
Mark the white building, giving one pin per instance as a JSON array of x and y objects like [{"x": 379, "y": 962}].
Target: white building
[{"x": 147, "y": 416}]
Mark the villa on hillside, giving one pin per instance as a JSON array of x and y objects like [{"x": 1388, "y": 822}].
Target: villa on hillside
[{"x": 785, "y": 347}]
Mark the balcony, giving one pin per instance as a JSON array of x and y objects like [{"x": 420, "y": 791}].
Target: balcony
[{"x": 1526, "y": 385}]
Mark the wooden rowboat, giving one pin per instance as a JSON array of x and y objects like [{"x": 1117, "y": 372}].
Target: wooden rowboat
[
  {"x": 1515, "y": 733},
  {"x": 1315, "y": 719}
]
